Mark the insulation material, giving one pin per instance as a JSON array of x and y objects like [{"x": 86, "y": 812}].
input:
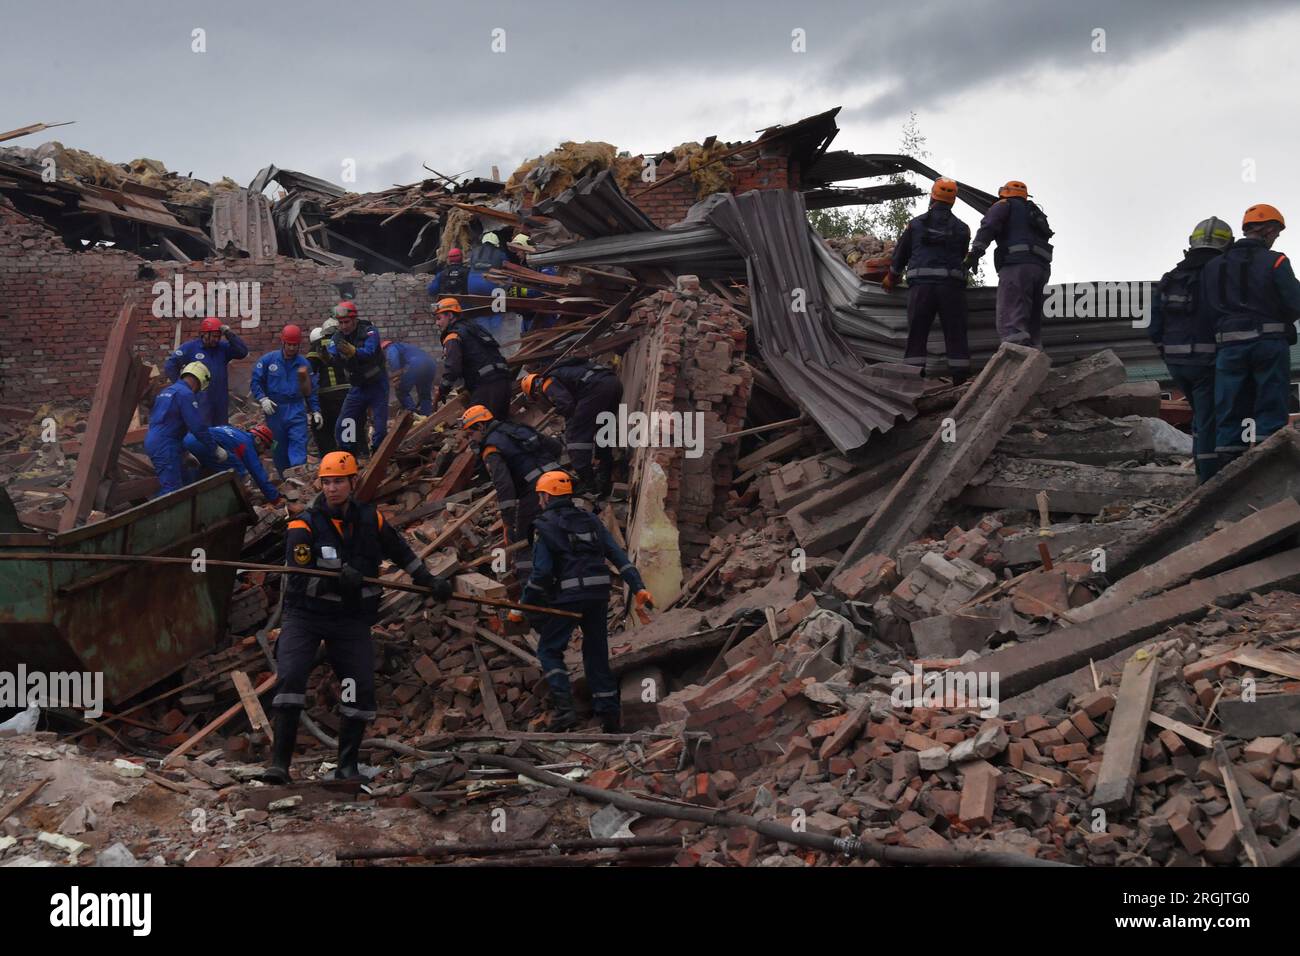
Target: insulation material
[
  {"x": 545, "y": 176},
  {"x": 456, "y": 233},
  {"x": 709, "y": 177}
]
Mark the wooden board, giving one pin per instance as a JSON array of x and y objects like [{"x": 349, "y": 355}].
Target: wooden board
[
  {"x": 1275, "y": 662},
  {"x": 252, "y": 706},
  {"x": 1128, "y": 723},
  {"x": 491, "y": 708}
]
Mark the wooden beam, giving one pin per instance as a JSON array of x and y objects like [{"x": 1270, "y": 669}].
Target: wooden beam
[
  {"x": 377, "y": 467},
  {"x": 493, "y": 639},
  {"x": 214, "y": 726},
  {"x": 1128, "y": 723},
  {"x": 1255, "y": 850},
  {"x": 491, "y": 708},
  {"x": 1275, "y": 662},
  {"x": 252, "y": 706}
]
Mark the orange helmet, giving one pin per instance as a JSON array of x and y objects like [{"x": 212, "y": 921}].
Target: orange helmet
[
  {"x": 337, "y": 464},
  {"x": 527, "y": 384},
  {"x": 475, "y": 415},
  {"x": 449, "y": 304},
  {"x": 1262, "y": 212},
  {"x": 555, "y": 483},
  {"x": 1014, "y": 187},
  {"x": 944, "y": 190}
]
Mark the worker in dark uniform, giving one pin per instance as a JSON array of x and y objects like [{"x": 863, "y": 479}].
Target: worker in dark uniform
[
  {"x": 1182, "y": 327},
  {"x": 1023, "y": 259},
  {"x": 357, "y": 344},
  {"x": 1256, "y": 300},
  {"x": 337, "y": 533},
  {"x": 471, "y": 353},
  {"x": 453, "y": 279},
  {"x": 331, "y": 383},
  {"x": 580, "y": 390},
  {"x": 929, "y": 254},
  {"x": 570, "y": 574},
  {"x": 515, "y": 456}
]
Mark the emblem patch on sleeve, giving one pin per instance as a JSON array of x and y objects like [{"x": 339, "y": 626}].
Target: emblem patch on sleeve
[{"x": 302, "y": 553}]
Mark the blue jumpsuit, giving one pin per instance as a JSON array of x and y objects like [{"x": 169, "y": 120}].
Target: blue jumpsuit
[
  {"x": 369, "y": 389},
  {"x": 419, "y": 370},
  {"x": 175, "y": 412},
  {"x": 276, "y": 378},
  {"x": 214, "y": 400},
  {"x": 243, "y": 456}
]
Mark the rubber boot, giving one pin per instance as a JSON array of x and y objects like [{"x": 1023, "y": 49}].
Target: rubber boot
[
  {"x": 285, "y": 730},
  {"x": 563, "y": 715},
  {"x": 350, "y": 735}
]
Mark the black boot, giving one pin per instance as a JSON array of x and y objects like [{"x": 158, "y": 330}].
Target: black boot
[
  {"x": 611, "y": 722},
  {"x": 563, "y": 714},
  {"x": 350, "y": 735},
  {"x": 285, "y": 730}
]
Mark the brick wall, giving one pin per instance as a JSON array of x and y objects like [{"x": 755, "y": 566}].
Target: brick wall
[
  {"x": 57, "y": 304},
  {"x": 669, "y": 203}
]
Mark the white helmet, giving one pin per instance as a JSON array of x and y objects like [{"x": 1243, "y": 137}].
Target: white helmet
[
  {"x": 330, "y": 326},
  {"x": 316, "y": 334}
]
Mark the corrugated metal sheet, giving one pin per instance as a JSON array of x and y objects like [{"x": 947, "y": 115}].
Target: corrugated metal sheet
[
  {"x": 243, "y": 219},
  {"x": 846, "y": 397},
  {"x": 697, "y": 249},
  {"x": 594, "y": 206}
]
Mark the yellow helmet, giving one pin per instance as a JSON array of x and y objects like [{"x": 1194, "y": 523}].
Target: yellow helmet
[
  {"x": 199, "y": 371},
  {"x": 475, "y": 415},
  {"x": 555, "y": 483},
  {"x": 337, "y": 464}
]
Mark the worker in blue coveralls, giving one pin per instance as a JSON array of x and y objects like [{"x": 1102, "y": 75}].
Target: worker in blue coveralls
[
  {"x": 357, "y": 343},
  {"x": 278, "y": 385},
  {"x": 570, "y": 574},
  {"x": 418, "y": 368},
  {"x": 216, "y": 347},
  {"x": 174, "y": 413},
  {"x": 243, "y": 450}
]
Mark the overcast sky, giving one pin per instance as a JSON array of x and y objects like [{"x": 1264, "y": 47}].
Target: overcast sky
[{"x": 1188, "y": 112}]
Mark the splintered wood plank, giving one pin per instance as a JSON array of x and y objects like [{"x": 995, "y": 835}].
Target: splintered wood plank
[
  {"x": 491, "y": 708},
  {"x": 252, "y": 706},
  {"x": 1128, "y": 723}
]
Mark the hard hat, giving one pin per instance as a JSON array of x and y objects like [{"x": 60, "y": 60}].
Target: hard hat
[
  {"x": 1014, "y": 187},
  {"x": 454, "y": 255},
  {"x": 263, "y": 432},
  {"x": 199, "y": 371},
  {"x": 527, "y": 384},
  {"x": 291, "y": 335},
  {"x": 329, "y": 326},
  {"x": 523, "y": 242},
  {"x": 491, "y": 239},
  {"x": 210, "y": 325},
  {"x": 1212, "y": 233},
  {"x": 1262, "y": 212},
  {"x": 944, "y": 190},
  {"x": 555, "y": 483},
  {"x": 316, "y": 334},
  {"x": 449, "y": 304},
  {"x": 337, "y": 464},
  {"x": 346, "y": 307},
  {"x": 385, "y": 343},
  {"x": 475, "y": 415}
]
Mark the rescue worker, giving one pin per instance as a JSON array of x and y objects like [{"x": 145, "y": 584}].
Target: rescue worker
[
  {"x": 1256, "y": 300},
  {"x": 331, "y": 383},
  {"x": 929, "y": 254},
  {"x": 1023, "y": 259},
  {"x": 216, "y": 347},
  {"x": 515, "y": 456},
  {"x": 488, "y": 254},
  {"x": 419, "y": 370},
  {"x": 453, "y": 278},
  {"x": 471, "y": 353},
  {"x": 1182, "y": 327},
  {"x": 277, "y": 386},
  {"x": 175, "y": 412},
  {"x": 580, "y": 390},
  {"x": 570, "y": 574},
  {"x": 519, "y": 248},
  {"x": 357, "y": 342},
  {"x": 243, "y": 454},
  {"x": 336, "y": 533}
]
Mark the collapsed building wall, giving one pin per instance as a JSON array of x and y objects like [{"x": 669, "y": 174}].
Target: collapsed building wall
[{"x": 57, "y": 306}]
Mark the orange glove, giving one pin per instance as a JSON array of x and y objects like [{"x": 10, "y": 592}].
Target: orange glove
[
  {"x": 645, "y": 599},
  {"x": 889, "y": 281}
]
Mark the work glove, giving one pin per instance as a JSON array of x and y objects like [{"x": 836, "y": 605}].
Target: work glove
[
  {"x": 515, "y": 616},
  {"x": 225, "y": 330},
  {"x": 645, "y": 599},
  {"x": 440, "y": 588},
  {"x": 268, "y": 406},
  {"x": 971, "y": 261},
  {"x": 346, "y": 348},
  {"x": 222, "y": 454},
  {"x": 439, "y": 396},
  {"x": 889, "y": 282},
  {"x": 317, "y": 419},
  {"x": 350, "y": 582}
]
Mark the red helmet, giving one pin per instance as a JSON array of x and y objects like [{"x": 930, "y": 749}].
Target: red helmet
[
  {"x": 210, "y": 325},
  {"x": 292, "y": 335},
  {"x": 263, "y": 432},
  {"x": 454, "y": 255},
  {"x": 346, "y": 307}
]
